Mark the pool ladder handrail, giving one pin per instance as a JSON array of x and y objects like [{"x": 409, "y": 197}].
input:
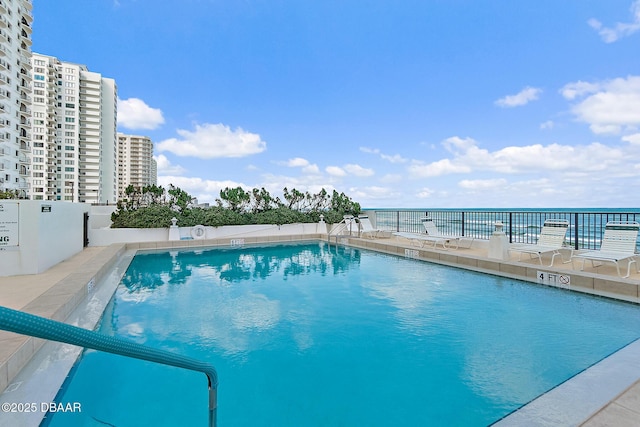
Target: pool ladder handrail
[
  {"x": 348, "y": 224},
  {"x": 40, "y": 327}
]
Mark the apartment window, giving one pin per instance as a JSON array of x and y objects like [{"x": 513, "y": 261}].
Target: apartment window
[
  {"x": 69, "y": 126},
  {"x": 69, "y": 70},
  {"x": 40, "y": 115},
  {"x": 69, "y": 147},
  {"x": 69, "y": 84},
  {"x": 69, "y": 176},
  {"x": 69, "y": 77},
  {"x": 69, "y": 119},
  {"x": 38, "y": 77},
  {"x": 38, "y": 70},
  {"x": 38, "y": 99},
  {"x": 69, "y": 155},
  {"x": 69, "y": 162},
  {"x": 69, "y": 112},
  {"x": 69, "y": 91},
  {"x": 39, "y": 62},
  {"x": 69, "y": 134},
  {"x": 69, "y": 169}
]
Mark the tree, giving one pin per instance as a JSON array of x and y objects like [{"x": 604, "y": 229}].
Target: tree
[
  {"x": 179, "y": 198},
  {"x": 236, "y": 198}
]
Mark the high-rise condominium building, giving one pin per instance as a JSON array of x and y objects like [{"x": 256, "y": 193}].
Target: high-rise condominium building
[
  {"x": 74, "y": 155},
  {"x": 136, "y": 165},
  {"x": 15, "y": 100}
]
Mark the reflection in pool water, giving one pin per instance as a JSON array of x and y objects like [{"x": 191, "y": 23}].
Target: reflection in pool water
[{"x": 315, "y": 335}]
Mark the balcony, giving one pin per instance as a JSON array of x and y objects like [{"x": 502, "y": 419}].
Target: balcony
[
  {"x": 25, "y": 26},
  {"x": 3, "y": 22},
  {"x": 4, "y": 80},
  {"x": 27, "y": 5},
  {"x": 4, "y": 65}
]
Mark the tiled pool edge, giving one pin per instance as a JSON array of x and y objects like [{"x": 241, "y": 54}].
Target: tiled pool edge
[
  {"x": 56, "y": 303},
  {"x": 591, "y": 283}
]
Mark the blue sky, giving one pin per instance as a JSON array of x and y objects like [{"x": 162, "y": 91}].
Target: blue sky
[{"x": 431, "y": 103}]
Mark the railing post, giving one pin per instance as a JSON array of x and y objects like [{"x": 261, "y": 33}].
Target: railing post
[
  {"x": 463, "y": 223},
  {"x": 510, "y": 227},
  {"x": 576, "y": 231}
]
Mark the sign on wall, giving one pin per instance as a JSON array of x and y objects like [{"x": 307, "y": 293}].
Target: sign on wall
[{"x": 9, "y": 222}]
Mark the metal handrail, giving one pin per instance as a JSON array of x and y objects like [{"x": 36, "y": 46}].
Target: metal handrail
[{"x": 40, "y": 327}]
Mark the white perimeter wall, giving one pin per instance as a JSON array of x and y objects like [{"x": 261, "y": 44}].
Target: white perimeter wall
[
  {"x": 107, "y": 236},
  {"x": 45, "y": 238}
]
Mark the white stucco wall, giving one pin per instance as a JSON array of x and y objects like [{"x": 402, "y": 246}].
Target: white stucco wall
[
  {"x": 107, "y": 236},
  {"x": 49, "y": 232}
]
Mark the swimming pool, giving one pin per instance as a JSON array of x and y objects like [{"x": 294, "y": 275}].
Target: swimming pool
[{"x": 315, "y": 335}]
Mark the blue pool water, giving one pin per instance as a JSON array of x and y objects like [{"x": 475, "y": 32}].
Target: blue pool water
[{"x": 311, "y": 335}]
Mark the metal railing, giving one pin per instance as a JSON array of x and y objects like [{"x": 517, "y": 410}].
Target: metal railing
[
  {"x": 586, "y": 228},
  {"x": 40, "y": 327}
]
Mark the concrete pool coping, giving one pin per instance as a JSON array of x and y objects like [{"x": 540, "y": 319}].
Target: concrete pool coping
[{"x": 57, "y": 292}]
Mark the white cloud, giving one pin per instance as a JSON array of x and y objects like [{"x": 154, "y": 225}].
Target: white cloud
[
  {"x": 372, "y": 193},
  {"x": 482, "y": 184},
  {"x": 609, "y": 107},
  {"x": 620, "y": 30},
  {"x": 632, "y": 139},
  {"x": 440, "y": 167},
  {"x": 468, "y": 157},
  {"x": 296, "y": 162},
  {"x": 210, "y": 141},
  {"x": 523, "y": 97},
  {"x": 578, "y": 89},
  {"x": 299, "y": 162},
  {"x": 391, "y": 178},
  {"x": 335, "y": 171},
  {"x": 425, "y": 193},
  {"x": 166, "y": 168},
  {"x": 358, "y": 170},
  {"x": 396, "y": 158},
  {"x": 134, "y": 113},
  {"x": 547, "y": 125}
]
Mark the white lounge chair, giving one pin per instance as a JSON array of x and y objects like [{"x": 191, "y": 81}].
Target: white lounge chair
[
  {"x": 550, "y": 241},
  {"x": 432, "y": 231},
  {"x": 366, "y": 228},
  {"x": 434, "y": 236},
  {"x": 618, "y": 244},
  {"x": 421, "y": 240}
]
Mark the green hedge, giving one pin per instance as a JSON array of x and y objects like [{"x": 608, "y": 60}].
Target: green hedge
[{"x": 236, "y": 207}]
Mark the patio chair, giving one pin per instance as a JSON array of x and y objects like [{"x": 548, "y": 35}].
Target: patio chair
[
  {"x": 435, "y": 233},
  {"x": 618, "y": 244},
  {"x": 421, "y": 240},
  {"x": 435, "y": 237},
  {"x": 550, "y": 241},
  {"x": 366, "y": 228}
]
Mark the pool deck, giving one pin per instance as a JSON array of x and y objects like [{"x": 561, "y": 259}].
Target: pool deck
[{"x": 57, "y": 292}]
